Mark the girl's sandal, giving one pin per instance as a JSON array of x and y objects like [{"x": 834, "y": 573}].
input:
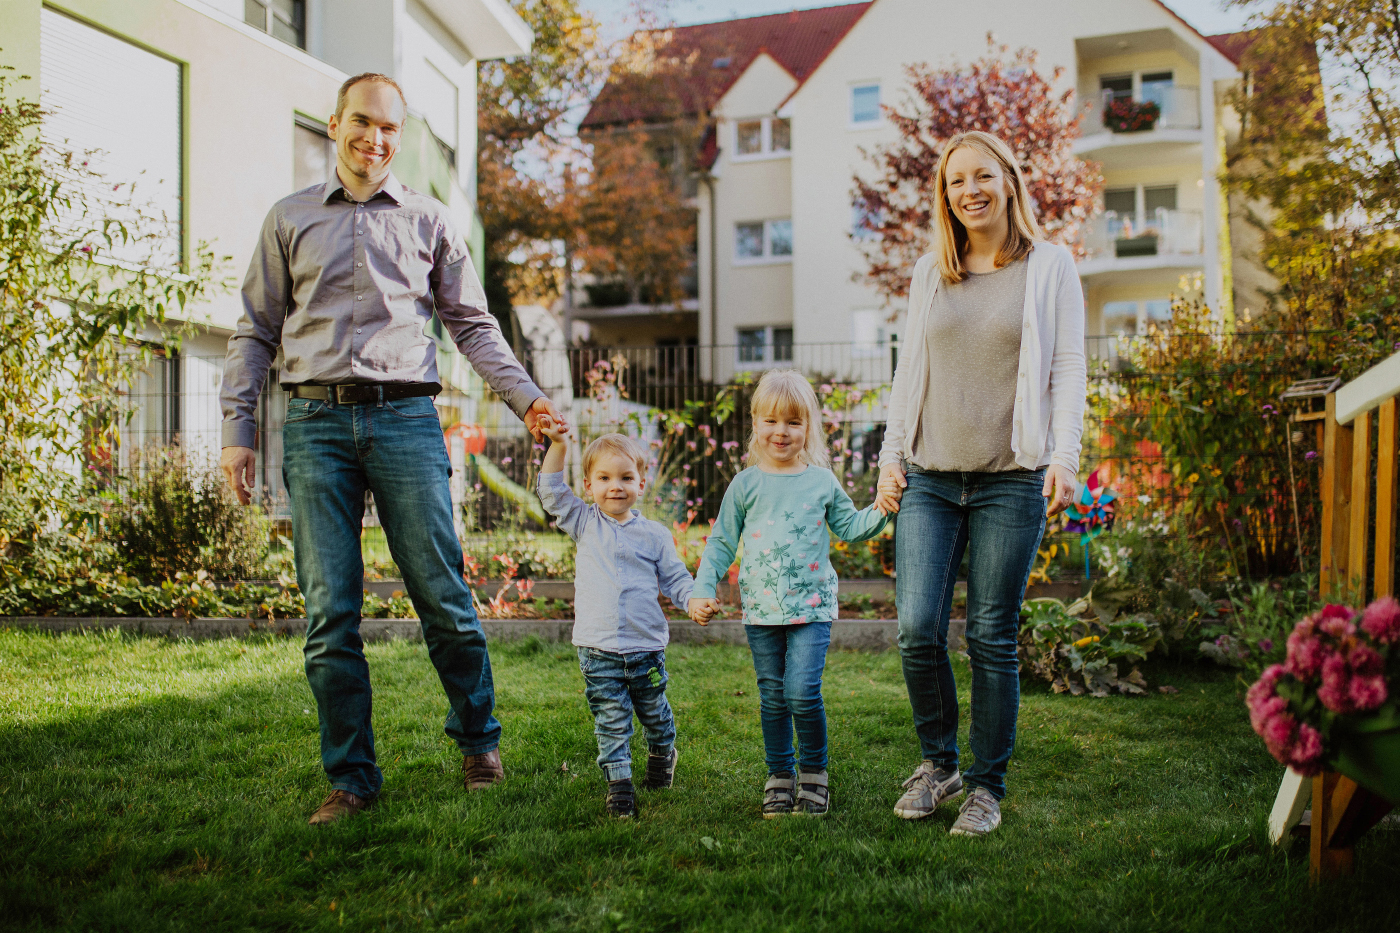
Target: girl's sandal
[
  {"x": 813, "y": 795},
  {"x": 777, "y": 796}
]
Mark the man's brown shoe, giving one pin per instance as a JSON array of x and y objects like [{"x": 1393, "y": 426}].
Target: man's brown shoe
[
  {"x": 481, "y": 771},
  {"x": 340, "y": 804}
]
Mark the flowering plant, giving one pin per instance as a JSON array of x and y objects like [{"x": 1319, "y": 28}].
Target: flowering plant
[
  {"x": 1337, "y": 671},
  {"x": 1129, "y": 116}
]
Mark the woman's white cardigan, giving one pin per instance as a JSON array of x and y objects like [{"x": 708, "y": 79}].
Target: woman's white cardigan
[{"x": 1051, "y": 380}]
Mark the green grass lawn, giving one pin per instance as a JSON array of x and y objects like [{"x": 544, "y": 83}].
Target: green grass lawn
[{"x": 153, "y": 785}]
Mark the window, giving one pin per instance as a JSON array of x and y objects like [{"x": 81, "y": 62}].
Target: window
[
  {"x": 284, "y": 19},
  {"x": 865, "y": 104},
  {"x": 764, "y": 345},
  {"x": 748, "y": 137},
  {"x": 762, "y": 241},
  {"x": 123, "y": 104},
  {"x": 781, "y": 134},
  {"x": 1159, "y": 310},
  {"x": 870, "y": 333},
  {"x": 762, "y": 138},
  {"x": 1155, "y": 87},
  {"x": 1162, "y": 197},
  {"x": 1133, "y": 317},
  {"x": 314, "y": 153},
  {"x": 1116, "y": 87}
]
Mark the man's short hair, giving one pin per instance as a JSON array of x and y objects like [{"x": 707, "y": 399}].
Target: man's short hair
[
  {"x": 373, "y": 76},
  {"x": 619, "y": 444}
]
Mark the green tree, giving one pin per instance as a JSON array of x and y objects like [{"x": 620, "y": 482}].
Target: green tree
[{"x": 81, "y": 280}]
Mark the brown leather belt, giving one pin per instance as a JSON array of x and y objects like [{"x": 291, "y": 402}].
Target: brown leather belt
[{"x": 358, "y": 392}]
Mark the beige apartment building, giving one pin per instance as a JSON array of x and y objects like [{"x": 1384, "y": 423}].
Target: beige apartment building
[
  {"x": 802, "y": 96},
  {"x": 218, "y": 108}
]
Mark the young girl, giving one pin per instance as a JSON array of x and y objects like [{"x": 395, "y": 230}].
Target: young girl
[{"x": 779, "y": 508}]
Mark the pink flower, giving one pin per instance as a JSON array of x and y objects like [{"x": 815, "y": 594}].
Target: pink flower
[
  {"x": 1278, "y": 734},
  {"x": 1365, "y": 661},
  {"x": 1305, "y": 654},
  {"x": 1335, "y": 620},
  {"x": 1381, "y": 620},
  {"x": 1334, "y": 692},
  {"x": 1368, "y": 693},
  {"x": 813, "y": 566},
  {"x": 815, "y": 600},
  {"x": 1306, "y": 758},
  {"x": 800, "y": 620}
]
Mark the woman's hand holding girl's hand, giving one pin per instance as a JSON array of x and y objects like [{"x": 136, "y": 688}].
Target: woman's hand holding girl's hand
[
  {"x": 702, "y": 610},
  {"x": 1059, "y": 489},
  {"x": 890, "y": 488}
]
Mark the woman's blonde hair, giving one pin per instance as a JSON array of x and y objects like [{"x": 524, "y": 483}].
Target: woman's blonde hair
[
  {"x": 786, "y": 393},
  {"x": 950, "y": 236}
]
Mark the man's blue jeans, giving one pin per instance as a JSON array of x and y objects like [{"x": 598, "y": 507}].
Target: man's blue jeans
[
  {"x": 789, "y": 660},
  {"x": 998, "y": 519},
  {"x": 616, "y": 684},
  {"x": 332, "y": 454}
]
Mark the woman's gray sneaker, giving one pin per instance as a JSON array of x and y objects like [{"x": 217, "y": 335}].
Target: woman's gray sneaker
[
  {"x": 929, "y": 786},
  {"x": 778, "y": 795},
  {"x": 813, "y": 795},
  {"x": 980, "y": 814}
]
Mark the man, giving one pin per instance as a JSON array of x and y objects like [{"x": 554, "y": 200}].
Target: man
[{"x": 344, "y": 279}]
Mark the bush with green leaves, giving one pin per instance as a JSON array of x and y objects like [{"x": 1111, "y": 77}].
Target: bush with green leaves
[
  {"x": 171, "y": 515},
  {"x": 1250, "y": 630},
  {"x": 1077, "y": 648}
]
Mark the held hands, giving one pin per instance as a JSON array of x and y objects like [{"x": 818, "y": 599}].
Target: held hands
[
  {"x": 556, "y": 430},
  {"x": 1058, "y": 490},
  {"x": 702, "y": 610},
  {"x": 543, "y": 407},
  {"x": 239, "y": 466},
  {"x": 890, "y": 488}
]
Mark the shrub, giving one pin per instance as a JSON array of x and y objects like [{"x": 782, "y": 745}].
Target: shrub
[
  {"x": 1077, "y": 649},
  {"x": 172, "y": 516}
]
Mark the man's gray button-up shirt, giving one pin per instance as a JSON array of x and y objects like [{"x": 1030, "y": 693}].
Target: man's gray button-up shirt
[{"x": 346, "y": 289}]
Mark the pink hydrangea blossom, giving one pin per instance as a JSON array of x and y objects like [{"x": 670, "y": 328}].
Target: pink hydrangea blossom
[
  {"x": 1365, "y": 661},
  {"x": 1278, "y": 733},
  {"x": 1305, "y": 654},
  {"x": 1336, "y": 681},
  {"x": 1368, "y": 693},
  {"x": 1306, "y": 758},
  {"x": 1336, "y": 621},
  {"x": 1382, "y": 620}
]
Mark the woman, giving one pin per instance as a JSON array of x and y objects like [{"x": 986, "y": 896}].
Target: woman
[{"x": 982, "y": 443}]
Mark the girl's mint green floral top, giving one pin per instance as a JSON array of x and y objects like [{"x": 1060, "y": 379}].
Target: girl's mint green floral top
[{"x": 786, "y": 576}]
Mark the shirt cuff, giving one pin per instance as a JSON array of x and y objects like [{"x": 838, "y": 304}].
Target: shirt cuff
[
  {"x": 240, "y": 434},
  {"x": 523, "y": 397},
  {"x": 702, "y": 591}
]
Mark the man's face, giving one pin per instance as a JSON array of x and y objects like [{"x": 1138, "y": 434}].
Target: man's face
[{"x": 367, "y": 132}]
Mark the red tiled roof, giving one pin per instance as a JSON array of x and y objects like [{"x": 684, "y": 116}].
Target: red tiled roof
[
  {"x": 1233, "y": 44},
  {"x": 799, "y": 41}
]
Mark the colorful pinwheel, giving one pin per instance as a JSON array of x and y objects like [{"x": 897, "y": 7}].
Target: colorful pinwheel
[{"x": 1090, "y": 513}]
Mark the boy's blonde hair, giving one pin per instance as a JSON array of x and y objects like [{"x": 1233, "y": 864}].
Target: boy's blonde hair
[
  {"x": 787, "y": 394},
  {"x": 950, "y": 236},
  {"x": 619, "y": 444}
]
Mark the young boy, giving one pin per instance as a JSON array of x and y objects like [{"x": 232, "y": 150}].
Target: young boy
[{"x": 620, "y": 631}]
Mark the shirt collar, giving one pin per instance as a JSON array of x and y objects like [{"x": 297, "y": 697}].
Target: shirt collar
[
  {"x": 631, "y": 515},
  {"x": 391, "y": 187}
]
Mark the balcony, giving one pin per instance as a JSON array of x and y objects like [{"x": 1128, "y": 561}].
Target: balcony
[
  {"x": 1177, "y": 126},
  {"x": 1120, "y": 243}
]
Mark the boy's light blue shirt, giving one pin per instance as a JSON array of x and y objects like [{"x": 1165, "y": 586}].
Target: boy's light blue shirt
[
  {"x": 786, "y": 577},
  {"x": 618, "y": 570}
]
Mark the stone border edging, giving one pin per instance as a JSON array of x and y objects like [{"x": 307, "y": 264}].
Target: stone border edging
[{"x": 853, "y": 634}]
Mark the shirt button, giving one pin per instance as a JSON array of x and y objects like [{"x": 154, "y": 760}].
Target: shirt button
[
  {"x": 359, "y": 265},
  {"x": 359, "y": 297},
  {"x": 358, "y": 330}
]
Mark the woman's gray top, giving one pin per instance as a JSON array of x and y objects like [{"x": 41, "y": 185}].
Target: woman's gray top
[{"x": 974, "y": 348}]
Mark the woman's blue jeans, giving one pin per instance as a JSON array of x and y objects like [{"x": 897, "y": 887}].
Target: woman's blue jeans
[
  {"x": 998, "y": 519},
  {"x": 332, "y": 454},
  {"x": 789, "y": 660}
]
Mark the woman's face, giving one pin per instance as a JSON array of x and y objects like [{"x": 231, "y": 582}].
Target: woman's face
[{"x": 977, "y": 190}]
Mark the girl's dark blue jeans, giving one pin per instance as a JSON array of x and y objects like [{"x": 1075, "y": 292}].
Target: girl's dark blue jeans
[
  {"x": 332, "y": 454},
  {"x": 998, "y": 519},
  {"x": 789, "y": 660}
]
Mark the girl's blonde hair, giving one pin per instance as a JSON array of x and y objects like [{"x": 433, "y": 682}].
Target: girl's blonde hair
[
  {"x": 786, "y": 393},
  {"x": 950, "y": 236}
]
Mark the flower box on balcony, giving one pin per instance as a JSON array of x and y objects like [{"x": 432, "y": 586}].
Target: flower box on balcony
[{"x": 1130, "y": 116}]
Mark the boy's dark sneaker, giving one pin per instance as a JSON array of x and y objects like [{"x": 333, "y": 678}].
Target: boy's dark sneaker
[
  {"x": 622, "y": 799},
  {"x": 777, "y": 795},
  {"x": 661, "y": 770},
  {"x": 813, "y": 795}
]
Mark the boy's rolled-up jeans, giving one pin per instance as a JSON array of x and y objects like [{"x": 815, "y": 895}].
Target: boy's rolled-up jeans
[{"x": 617, "y": 685}]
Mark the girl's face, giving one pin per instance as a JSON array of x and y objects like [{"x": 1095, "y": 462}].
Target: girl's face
[
  {"x": 781, "y": 436},
  {"x": 977, "y": 189}
]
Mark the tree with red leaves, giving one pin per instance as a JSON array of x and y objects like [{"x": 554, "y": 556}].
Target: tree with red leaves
[{"x": 1000, "y": 94}]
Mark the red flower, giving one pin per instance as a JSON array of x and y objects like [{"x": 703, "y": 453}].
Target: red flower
[
  {"x": 1334, "y": 692},
  {"x": 1307, "y": 751},
  {"x": 1368, "y": 693}
]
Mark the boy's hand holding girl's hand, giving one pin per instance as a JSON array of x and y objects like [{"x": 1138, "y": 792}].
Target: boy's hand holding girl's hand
[{"x": 702, "y": 610}]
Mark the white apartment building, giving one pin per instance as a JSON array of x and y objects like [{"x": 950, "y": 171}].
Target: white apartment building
[
  {"x": 778, "y": 257},
  {"x": 218, "y": 108}
]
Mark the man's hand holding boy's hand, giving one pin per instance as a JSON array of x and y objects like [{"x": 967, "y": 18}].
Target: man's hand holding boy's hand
[
  {"x": 702, "y": 610},
  {"x": 556, "y": 431}
]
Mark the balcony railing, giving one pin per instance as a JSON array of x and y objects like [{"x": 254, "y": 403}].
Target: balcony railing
[
  {"x": 1164, "y": 233},
  {"x": 1179, "y": 107}
]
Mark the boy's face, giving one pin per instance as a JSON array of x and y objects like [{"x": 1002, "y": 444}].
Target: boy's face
[{"x": 615, "y": 484}]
